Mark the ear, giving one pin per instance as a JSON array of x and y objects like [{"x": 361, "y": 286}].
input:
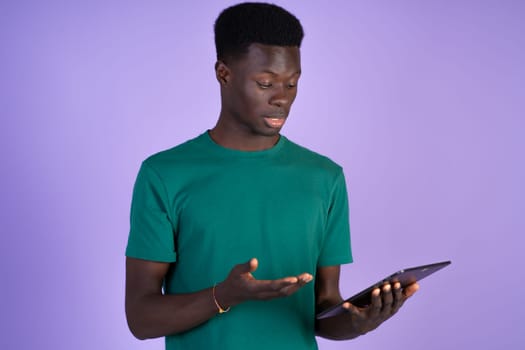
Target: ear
[{"x": 222, "y": 72}]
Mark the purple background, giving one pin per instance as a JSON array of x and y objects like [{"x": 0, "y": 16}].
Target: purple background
[{"x": 421, "y": 101}]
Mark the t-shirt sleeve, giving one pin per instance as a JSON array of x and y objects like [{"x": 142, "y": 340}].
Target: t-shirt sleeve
[
  {"x": 336, "y": 247},
  {"x": 152, "y": 232}
]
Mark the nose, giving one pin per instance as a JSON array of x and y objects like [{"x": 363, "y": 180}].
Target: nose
[{"x": 282, "y": 97}]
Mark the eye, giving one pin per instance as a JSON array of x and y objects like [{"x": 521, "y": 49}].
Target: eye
[
  {"x": 292, "y": 85},
  {"x": 264, "y": 85}
]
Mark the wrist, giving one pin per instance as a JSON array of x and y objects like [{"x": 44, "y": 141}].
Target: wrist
[{"x": 220, "y": 299}]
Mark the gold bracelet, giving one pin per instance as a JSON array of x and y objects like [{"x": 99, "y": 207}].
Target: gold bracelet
[{"x": 221, "y": 310}]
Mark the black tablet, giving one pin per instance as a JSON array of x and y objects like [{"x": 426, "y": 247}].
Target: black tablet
[{"x": 405, "y": 277}]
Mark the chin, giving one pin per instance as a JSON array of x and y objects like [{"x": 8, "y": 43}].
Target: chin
[{"x": 268, "y": 132}]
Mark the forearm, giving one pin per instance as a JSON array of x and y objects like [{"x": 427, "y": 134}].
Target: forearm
[
  {"x": 157, "y": 315},
  {"x": 340, "y": 327},
  {"x": 151, "y": 314},
  {"x": 333, "y": 328}
]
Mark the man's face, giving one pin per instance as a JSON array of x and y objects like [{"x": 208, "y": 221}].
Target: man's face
[{"x": 261, "y": 88}]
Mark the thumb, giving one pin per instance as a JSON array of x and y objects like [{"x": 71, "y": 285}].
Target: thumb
[
  {"x": 250, "y": 266},
  {"x": 350, "y": 307}
]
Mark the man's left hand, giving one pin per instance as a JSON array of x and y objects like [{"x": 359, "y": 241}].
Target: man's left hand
[
  {"x": 385, "y": 302},
  {"x": 356, "y": 321}
]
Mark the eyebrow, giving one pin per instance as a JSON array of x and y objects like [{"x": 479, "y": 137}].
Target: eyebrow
[{"x": 268, "y": 71}]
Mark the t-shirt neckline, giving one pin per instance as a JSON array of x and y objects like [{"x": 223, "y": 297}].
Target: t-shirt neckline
[{"x": 239, "y": 153}]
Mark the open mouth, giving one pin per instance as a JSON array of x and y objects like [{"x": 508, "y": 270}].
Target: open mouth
[{"x": 274, "y": 122}]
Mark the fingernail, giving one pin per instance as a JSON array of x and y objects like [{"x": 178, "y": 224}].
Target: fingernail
[{"x": 308, "y": 278}]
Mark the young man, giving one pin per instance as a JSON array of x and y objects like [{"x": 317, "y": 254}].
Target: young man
[{"x": 242, "y": 220}]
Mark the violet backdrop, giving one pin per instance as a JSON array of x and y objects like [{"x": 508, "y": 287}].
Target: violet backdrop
[{"x": 421, "y": 102}]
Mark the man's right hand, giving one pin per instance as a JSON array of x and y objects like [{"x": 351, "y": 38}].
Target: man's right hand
[
  {"x": 240, "y": 285},
  {"x": 151, "y": 313}
]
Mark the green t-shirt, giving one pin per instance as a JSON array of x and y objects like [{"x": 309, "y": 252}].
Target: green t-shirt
[{"x": 206, "y": 208}]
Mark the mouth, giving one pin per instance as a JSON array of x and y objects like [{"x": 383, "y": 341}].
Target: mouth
[
  {"x": 274, "y": 122},
  {"x": 275, "y": 119}
]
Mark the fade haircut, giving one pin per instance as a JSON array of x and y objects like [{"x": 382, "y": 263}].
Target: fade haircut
[{"x": 239, "y": 26}]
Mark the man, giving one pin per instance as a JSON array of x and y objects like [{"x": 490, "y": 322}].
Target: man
[{"x": 237, "y": 235}]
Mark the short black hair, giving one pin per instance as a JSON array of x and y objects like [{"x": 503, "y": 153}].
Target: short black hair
[{"x": 239, "y": 26}]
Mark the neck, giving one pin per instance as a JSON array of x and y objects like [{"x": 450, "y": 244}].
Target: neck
[{"x": 241, "y": 140}]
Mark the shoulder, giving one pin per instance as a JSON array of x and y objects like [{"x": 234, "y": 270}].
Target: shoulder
[
  {"x": 303, "y": 156},
  {"x": 172, "y": 157}
]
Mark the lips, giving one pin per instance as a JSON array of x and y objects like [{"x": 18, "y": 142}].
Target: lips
[{"x": 274, "y": 122}]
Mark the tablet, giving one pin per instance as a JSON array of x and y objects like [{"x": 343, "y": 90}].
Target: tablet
[{"x": 405, "y": 277}]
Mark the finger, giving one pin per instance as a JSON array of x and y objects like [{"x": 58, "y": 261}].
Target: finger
[
  {"x": 271, "y": 293},
  {"x": 249, "y": 266},
  {"x": 284, "y": 292},
  {"x": 283, "y": 282},
  {"x": 376, "y": 303},
  {"x": 398, "y": 293},
  {"x": 267, "y": 289},
  {"x": 350, "y": 308},
  {"x": 253, "y": 264},
  {"x": 399, "y": 298},
  {"x": 268, "y": 286},
  {"x": 302, "y": 280},
  {"x": 410, "y": 290},
  {"x": 291, "y": 289},
  {"x": 305, "y": 278},
  {"x": 387, "y": 299}
]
